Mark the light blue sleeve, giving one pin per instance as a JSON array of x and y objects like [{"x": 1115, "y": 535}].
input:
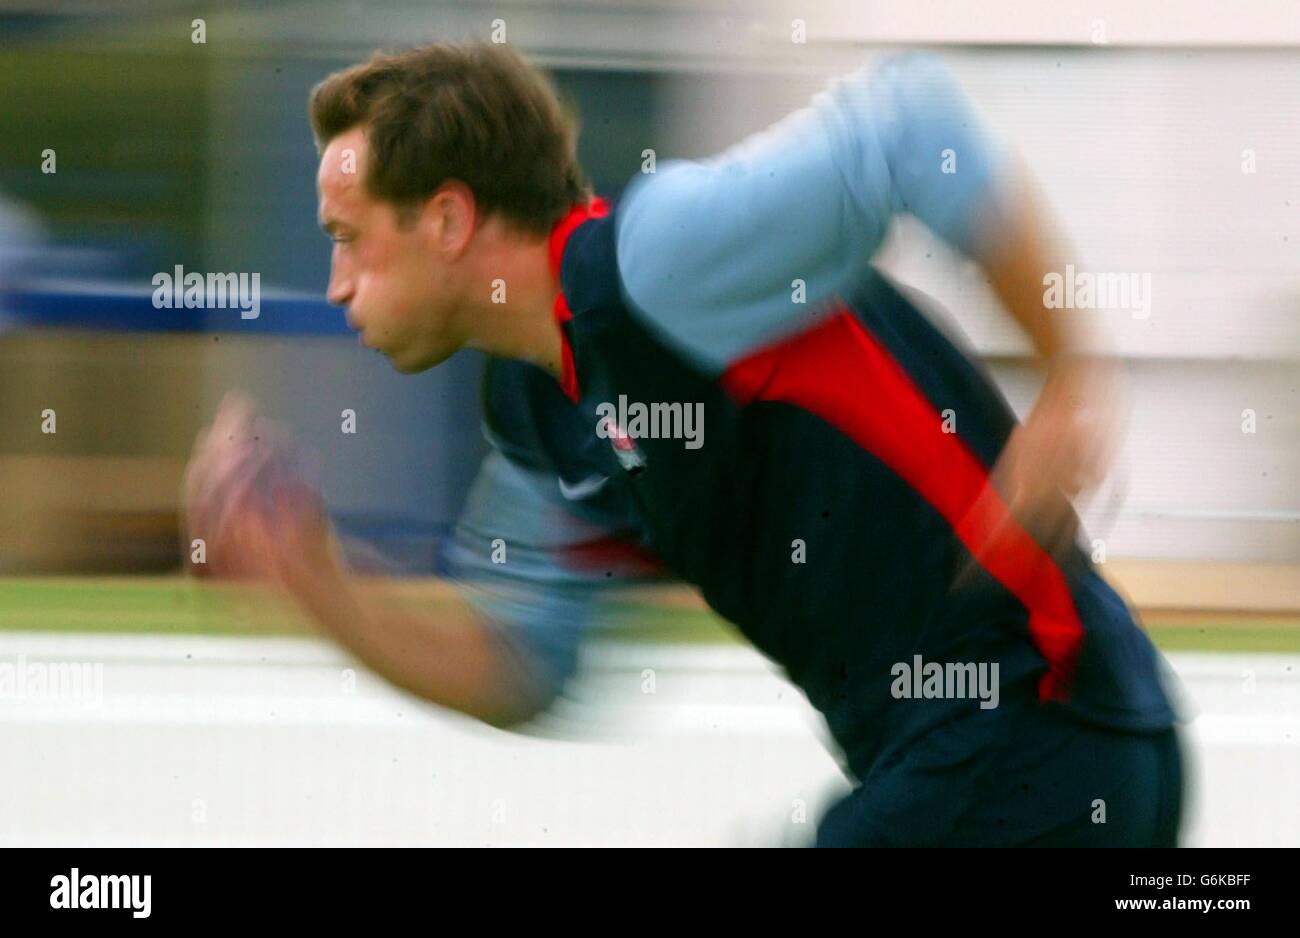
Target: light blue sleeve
[
  {"x": 507, "y": 555},
  {"x": 709, "y": 251}
]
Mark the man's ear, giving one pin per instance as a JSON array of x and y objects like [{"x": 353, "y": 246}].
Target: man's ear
[{"x": 450, "y": 213}]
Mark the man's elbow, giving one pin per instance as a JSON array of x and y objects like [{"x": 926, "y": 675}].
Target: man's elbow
[
  {"x": 517, "y": 703},
  {"x": 514, "y": 716}
]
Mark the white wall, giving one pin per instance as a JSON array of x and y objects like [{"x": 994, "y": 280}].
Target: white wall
[{"x": 197, "y": 740}]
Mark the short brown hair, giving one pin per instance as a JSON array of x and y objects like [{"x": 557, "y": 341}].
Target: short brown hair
[{"x": 477, "y": 113}]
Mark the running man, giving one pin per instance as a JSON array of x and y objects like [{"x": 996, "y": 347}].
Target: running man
[{"x": 857, "y": 497}]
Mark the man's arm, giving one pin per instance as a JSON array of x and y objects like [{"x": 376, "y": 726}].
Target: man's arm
[
  {"x": 451, "y": 657},
  {"x": 710, "y": 252},
  {"x": 499, "y": 651},
  {"x": 1067, "y": 441},
  {"x": 504, "y": 650}
]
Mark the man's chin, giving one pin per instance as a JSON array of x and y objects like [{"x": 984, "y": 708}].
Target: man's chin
[
  {"x": 408, "y": 368},
  {"x": 410, "y": 364}
]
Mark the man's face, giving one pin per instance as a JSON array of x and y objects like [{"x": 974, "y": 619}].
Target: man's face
[{"x": 396, "y": 280}]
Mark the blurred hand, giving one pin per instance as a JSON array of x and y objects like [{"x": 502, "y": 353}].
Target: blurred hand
[
  {"x": 1062, "y": 451},
  {"x": 247, "y": 497}
]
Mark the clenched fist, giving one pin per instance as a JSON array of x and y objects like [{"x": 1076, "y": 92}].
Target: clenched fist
[{"x": 245, "y": 493}]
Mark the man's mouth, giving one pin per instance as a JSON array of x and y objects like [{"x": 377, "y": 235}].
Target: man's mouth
[
  {"x": 359, "y": 328},
  {"x": 361, "y": 338}
]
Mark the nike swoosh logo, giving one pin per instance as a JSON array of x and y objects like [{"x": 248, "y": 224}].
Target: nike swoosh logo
[{"x": 574, "y": 491}]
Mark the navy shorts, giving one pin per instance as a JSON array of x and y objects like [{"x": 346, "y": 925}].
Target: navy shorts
[{"x": 1023, "y": 774}]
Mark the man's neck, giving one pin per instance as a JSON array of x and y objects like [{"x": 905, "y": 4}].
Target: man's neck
[{"x": 519, "y": 289}]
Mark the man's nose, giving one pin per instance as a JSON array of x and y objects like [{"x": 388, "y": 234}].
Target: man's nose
[{"x": 340, "y": 290}]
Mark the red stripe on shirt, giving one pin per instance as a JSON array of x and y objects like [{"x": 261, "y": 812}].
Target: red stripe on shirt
[
  {"x": 615, "y": 555},
  {"x": 842, "y": 373},
  {"x": 559, "y": 239}
]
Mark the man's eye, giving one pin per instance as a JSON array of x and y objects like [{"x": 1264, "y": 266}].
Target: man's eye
[{"x": 342, "y": 239}]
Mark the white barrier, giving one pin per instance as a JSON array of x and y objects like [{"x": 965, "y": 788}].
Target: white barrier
[{"x": 201, "y": 740}]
